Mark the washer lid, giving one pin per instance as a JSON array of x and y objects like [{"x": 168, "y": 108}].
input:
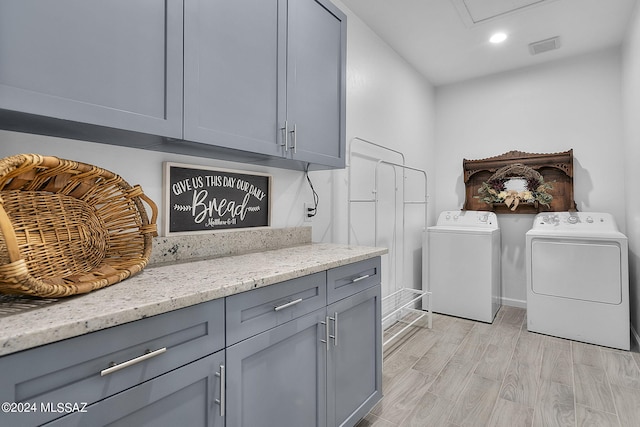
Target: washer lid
[{"x": 468, "y": 219}]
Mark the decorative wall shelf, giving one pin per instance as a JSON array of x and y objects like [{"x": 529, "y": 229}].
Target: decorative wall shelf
[{"x": 555, "y": 168}]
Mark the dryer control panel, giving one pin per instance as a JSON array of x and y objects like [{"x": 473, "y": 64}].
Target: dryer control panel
[
  {"x": 593, "y": 221},
  {"x": 468, "y": 219}
]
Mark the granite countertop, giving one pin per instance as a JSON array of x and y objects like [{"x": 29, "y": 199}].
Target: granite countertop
[{"x": 164, "y": 287}]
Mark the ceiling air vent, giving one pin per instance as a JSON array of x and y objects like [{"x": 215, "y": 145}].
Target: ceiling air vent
[{"x": 544, "y": 45}]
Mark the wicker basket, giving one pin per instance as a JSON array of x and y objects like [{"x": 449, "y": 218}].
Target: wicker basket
[{"x": 69, "y": 228}]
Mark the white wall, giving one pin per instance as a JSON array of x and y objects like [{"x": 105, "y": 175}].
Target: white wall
[
  {"x": 631, "y": 105},
  {"x": 387, "y": 101},
  {"x": 574, "y": 103}
]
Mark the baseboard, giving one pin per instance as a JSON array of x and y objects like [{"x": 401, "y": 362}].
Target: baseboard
[{"x": 513, "y": 302}]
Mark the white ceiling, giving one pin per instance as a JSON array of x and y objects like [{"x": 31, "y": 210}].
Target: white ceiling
[{"x": 447, "y": 40}]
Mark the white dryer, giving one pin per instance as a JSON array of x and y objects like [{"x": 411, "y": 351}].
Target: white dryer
[
  {"x": 577, "y": 278},
  {"x": 464, "y": 264}
]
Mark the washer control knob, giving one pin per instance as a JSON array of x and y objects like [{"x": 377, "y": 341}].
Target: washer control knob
[
  {"x": 484, "y": 217},
  {"x": 448, "y": 216},
  {"x": 589, "y": 220},
  {"x": 573, "y": 219},
  {"x": 455, "y": 217}
]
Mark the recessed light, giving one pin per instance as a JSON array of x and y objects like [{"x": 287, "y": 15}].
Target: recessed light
[{"x": 498, "y": 38}]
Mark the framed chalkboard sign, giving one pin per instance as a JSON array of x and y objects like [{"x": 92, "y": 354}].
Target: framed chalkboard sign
[{"x": 204, "y": 199}]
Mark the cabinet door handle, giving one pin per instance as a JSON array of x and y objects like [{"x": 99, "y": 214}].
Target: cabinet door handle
[
  {"x": 285, "y": 135},
  {"x": 335, "y": 328},
  {"x": 326, "y": 331},
  {"x": 289, "y": 304},
  {"x": 295, "y": 138},
  {"x": 223, "y": 390},
  {"x": 147, "y": 355},
  {"x": 357, "y": 279}
]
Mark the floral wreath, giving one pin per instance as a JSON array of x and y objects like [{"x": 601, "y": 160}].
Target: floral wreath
[{"x": 494, "y": 190}]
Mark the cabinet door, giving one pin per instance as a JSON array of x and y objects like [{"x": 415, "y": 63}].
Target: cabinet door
[
  {"x": 114, "y": 63},
  {"x": 277, "y": 378},
  {"x": 184, "y": 397},
  {"x": 316, "y": 78},
  {"x": 234, "y": 73},
  {"x": 354, "y": 373}
]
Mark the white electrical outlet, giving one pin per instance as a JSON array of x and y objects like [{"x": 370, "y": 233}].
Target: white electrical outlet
[{"x": 306, "y": 212}]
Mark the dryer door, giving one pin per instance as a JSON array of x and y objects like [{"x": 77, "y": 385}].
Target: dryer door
[{"x": 578, "y": 269}]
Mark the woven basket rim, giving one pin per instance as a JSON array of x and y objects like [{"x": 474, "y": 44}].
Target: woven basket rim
[{"x": 116, "y": 203}]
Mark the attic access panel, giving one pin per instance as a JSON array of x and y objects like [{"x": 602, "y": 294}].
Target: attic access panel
[
  {"x": 474, "y": 12},
  {"x": 555, "y": 168}
]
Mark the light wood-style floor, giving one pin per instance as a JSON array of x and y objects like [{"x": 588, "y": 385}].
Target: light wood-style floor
[{"x": 465, "y": 373}]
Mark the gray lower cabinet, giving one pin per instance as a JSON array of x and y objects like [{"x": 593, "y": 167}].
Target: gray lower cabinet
[
  {"x": 250, "y": 313},
  {"x": 97, "y": 368},
  {"x": 277, "y": 356},
  {"x": 354, "y": 368},
  {"x": 277, "y": 378},
  {"x": 318, "y": 369},
  {"x": 183, "y": 397},
  {"x": 351, "y": 278},
  {"x": 112, "y": 63}
]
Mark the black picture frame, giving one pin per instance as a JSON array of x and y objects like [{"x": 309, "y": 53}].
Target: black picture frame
[{"x": 201, "y": 199}]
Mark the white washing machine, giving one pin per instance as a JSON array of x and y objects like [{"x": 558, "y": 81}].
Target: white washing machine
[
  {"x": 577, "y": 278},
  {"x": 464, "y": 264}
]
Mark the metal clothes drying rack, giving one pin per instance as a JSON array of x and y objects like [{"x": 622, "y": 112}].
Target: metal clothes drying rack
[{"x": 402, "y": 298}]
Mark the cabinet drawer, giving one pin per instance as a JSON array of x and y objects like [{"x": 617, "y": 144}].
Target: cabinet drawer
[
  {"x": 348, "y": 279},
  {"x": 256, "y": 311},
  {"x": 70, "y": 370},
  {"x": 181, "y": 397}
]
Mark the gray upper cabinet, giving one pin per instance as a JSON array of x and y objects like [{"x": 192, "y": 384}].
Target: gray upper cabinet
[
  {"x": 234, "y": 59},
  {"x": 112, "y": 63},
  {"x": 243, "y": 80},
  {"x": 267, "y": 76},
  {"x": 316, "y": 78}
]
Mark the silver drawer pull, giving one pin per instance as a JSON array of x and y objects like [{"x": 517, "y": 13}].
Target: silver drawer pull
[
  {"x": 357, "y": 279},
  {"x": 147, "y": 355},
  {"x": 289, "y": 304}
]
